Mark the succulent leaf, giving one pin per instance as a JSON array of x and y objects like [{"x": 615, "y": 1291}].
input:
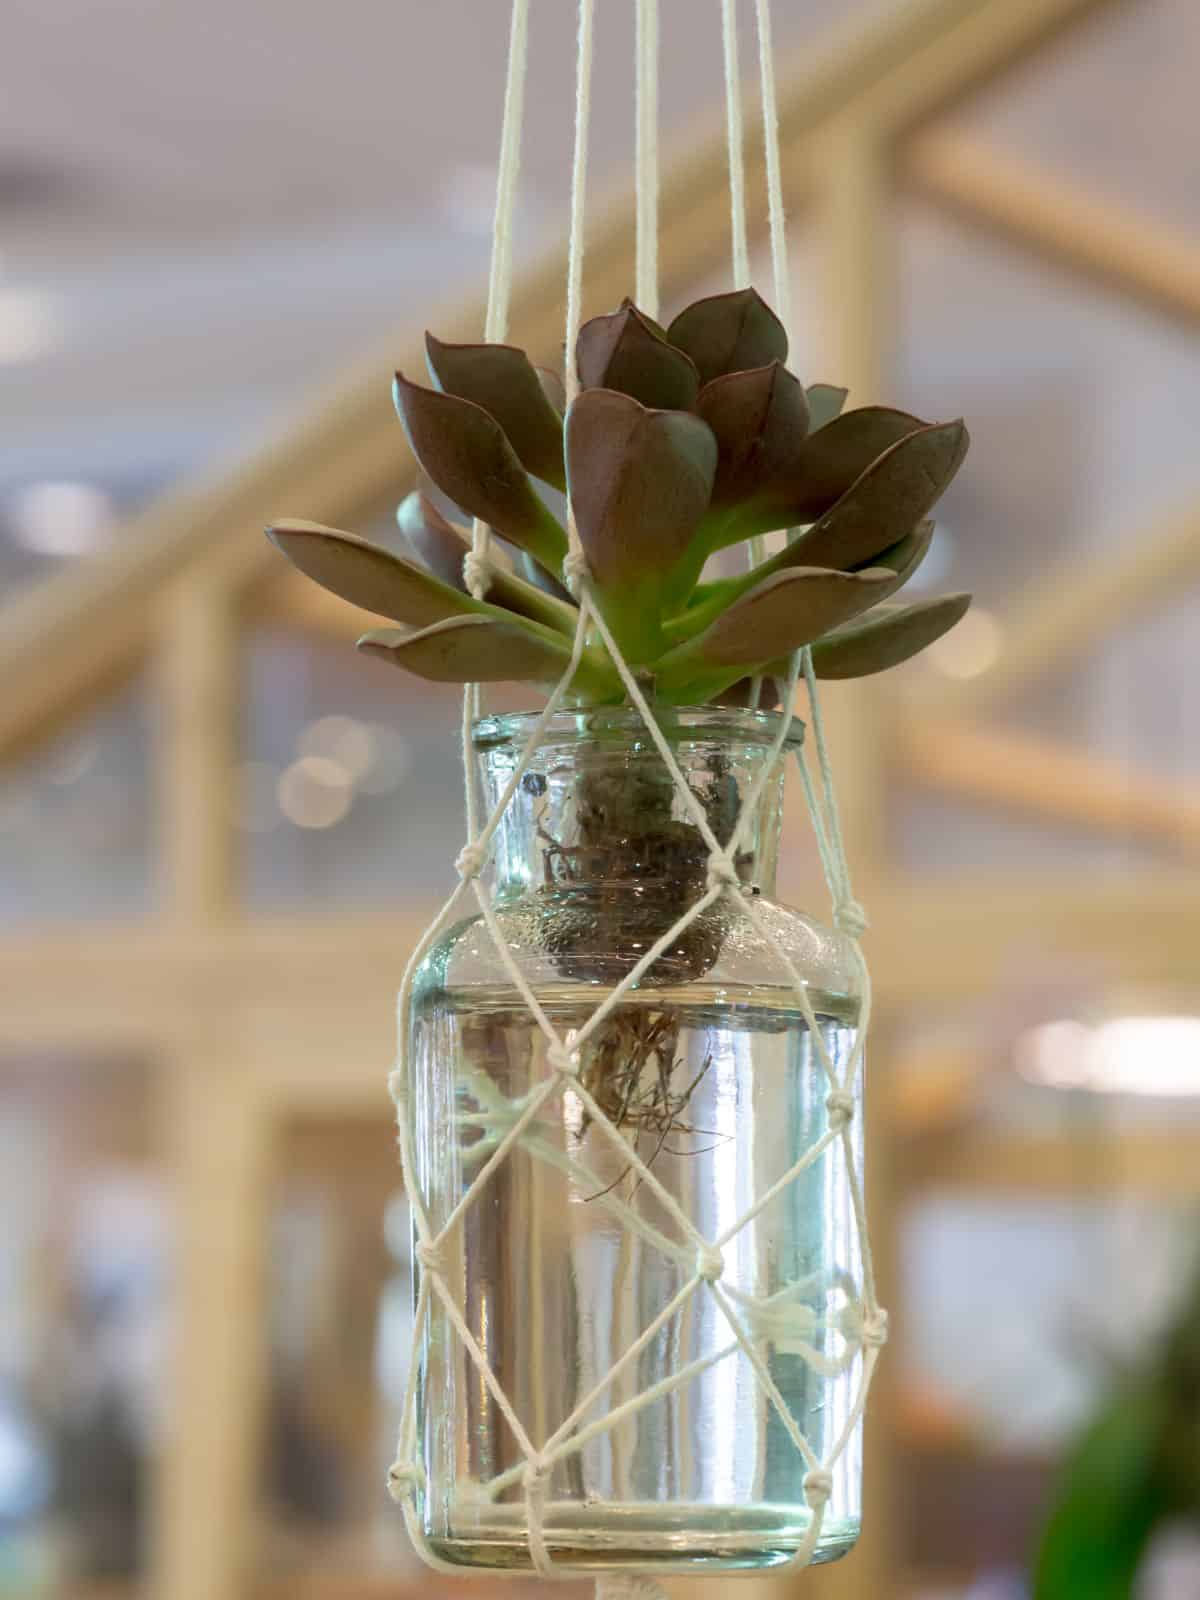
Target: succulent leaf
[
  {"x": 783, "y": 612},
  {"x": 679, "y": 444},
  {"x": 504, "y": 381},
  {"x": 639, "y": 482},
  {"x": 484, "y": 649},
  {"x": 890, "y": 497},
  {"x": 443, "y": 547},
  {"x": 467, "y": 454},
  {"x": 822, "y": 468},
  {"x": 624, "y": 352},
  {"x": 554, "y": 389},
  {"x": 907, "y": 554},
  {"x": 741, "y": 693},
  {"x": 729, "y": 333},
  {"x": 886, "y": 636},
  {"x": 758, "y": 418},
  {"x": 433, "y": 538},
  {"x": 369, "y": 576},
  {"x": 825, "y": 402}
]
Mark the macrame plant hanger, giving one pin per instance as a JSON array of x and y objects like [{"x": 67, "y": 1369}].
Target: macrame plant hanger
[{"x": 563, "y": 1053}]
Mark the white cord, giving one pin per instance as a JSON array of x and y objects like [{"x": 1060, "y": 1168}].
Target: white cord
[
  {"x": 646, "y": 157},
  {"x": 575, "y": 243},
  {"x": 736, "y": 134},
  {"x": 770, "y": 115},
  {"x": 475, "y": 563}
]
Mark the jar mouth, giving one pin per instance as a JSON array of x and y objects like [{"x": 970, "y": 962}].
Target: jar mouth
[{"x": 683, "y": 726}]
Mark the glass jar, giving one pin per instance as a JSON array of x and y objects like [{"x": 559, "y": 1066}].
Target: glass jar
[{"x": 566, "y": 1256}]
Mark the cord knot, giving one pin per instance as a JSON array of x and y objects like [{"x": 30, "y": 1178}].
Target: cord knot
[
  {"x": 471, "y": 860},
  {"x": 850, "y": 918},
  {"x": 403, "y": 1479},
  {"x": 575, "y": 571},
  {"x": 710, "y": 1263},
  {"x": 562, "y": 1059},
  {"x": 818, "y": 1487},
  {"x": 840, "y": 1107},
  {"x": 875, "y": 1328},
  {"x": 721, "y": 872},
  {"x": 537, "y": 1470},
  {"x": 429, "y": 1253},
  {"x": 476, "y": 574}
]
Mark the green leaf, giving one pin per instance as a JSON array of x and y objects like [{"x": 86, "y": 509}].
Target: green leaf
[
  {"x": 484, "y": 649},
  {"x": 639, "y": 483},
  {"x": 504, "y": 381},
  {"x": 443, "y": 547},
  {"x": 825, "y": 402},
  {"x": 623, "y": 352},
  {"x": 467, "y": 454},
  {"x": 729, "y": 333},
  {"x": 758, "y": 418},
  {"x": 777, "y": 616},
  {"x": 369, "y": 576},
  {"x": 886, "y": 636},
  {"x": 1112, "y": 1497}
]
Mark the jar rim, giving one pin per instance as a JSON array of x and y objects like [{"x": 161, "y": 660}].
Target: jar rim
[{"x": 688, "y": 724}]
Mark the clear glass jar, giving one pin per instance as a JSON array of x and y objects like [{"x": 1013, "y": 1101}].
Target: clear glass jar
[{"x": 708, "y": 1068}]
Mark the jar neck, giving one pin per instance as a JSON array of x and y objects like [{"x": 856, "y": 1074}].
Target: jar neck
[{"x": 597, "y": 808}]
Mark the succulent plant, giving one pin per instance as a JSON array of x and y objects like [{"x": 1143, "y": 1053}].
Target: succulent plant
[{"x": 680, "y": 443}]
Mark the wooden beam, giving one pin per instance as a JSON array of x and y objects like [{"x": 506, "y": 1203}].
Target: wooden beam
[
  {"x": 969, "y": 47},
  {"x": 206, "y": 1499},
  {"x": 1072, "y": 611},
  {"x": 1046, "y": 779},
  {"x": 342, "y": 459},
  {"x": 1132, "y": 253},
  {"x": 1091, "y": 1161},
  {"x": 936, "y": 936},
  {"x": 200, "y": 722},
  {"x": 960, "y": 934}
]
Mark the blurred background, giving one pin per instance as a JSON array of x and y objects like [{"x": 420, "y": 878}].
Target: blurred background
[{"x": 221, "y": 227}]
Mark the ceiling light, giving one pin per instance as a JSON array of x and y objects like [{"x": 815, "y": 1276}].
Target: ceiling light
[
  {"x": 314, "y": 792},
  {"x": 345, "y": 740},
  {"x": 61, "y": 519},
  {"x": 1127, "y": 1055},
  {"x": 30, "y": 325}
]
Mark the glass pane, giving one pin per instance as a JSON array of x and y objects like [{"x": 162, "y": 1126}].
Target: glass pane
[
  {"x": 76, "y": 820},
  {"x": 83, "y": 1309}
]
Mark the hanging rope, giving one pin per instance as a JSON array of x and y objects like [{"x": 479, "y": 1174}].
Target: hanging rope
[
  {"x": 646, "y": 155},
  {"x": 495, "y": 329},
  {"x": 770, "y": 117},
  {"x": 751, "y": 1320},
  {"x": 736, "y": 137}
]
